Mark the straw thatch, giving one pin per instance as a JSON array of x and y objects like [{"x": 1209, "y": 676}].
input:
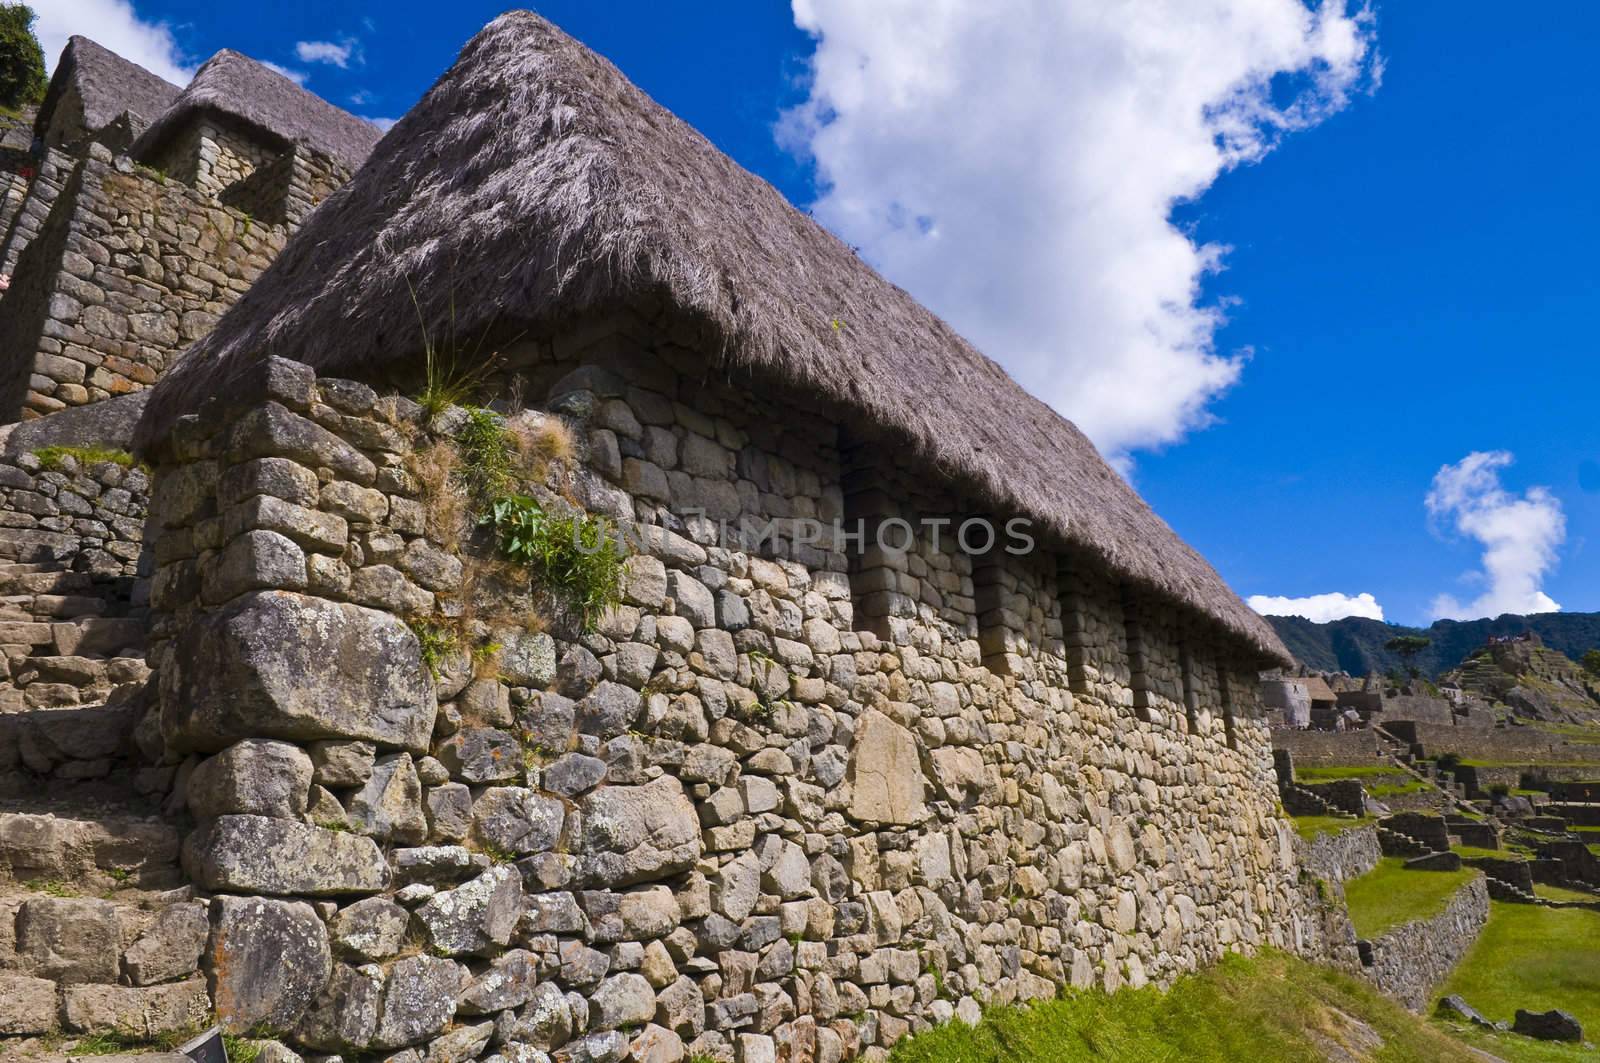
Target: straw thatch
[
  {"x": 107, "y": 85},
  {"x": 534, "y": 185},
  {"x": 243, "y": 90}
]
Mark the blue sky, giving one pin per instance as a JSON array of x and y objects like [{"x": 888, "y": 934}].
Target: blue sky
[{"x": 1380, "y": 283}]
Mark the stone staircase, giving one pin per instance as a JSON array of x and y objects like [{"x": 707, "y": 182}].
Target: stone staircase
[
  {"x": 65, "y": 635},
  {"x": 1395, "y": 843},
  {"x": 1501, "y": 890},
  {"x": 98, "y": 933}
]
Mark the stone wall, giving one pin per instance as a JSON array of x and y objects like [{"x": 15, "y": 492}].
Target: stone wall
[
  {"x": 1336, "y": 856},
  {"x": 29, "y": 217},
  {"x": 1329, "y": 747},
  {"x": 1412, "y": 960},
  {"x": 1500, "y": 745},
  {"x": 127, "y": 268},
  {"x": 72, "y": 615},
  {"x": 210, "y": 154},
  {"x": 728, "y": 816},
  {"x": 283, "y": 190}
]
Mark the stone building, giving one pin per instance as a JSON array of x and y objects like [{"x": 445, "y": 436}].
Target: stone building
[
  {"x": 905, "y": 703},
  {"x": 142, "y": 211}
]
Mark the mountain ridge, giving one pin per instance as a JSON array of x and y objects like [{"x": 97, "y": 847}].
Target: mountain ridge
[{"x": 1356, "y": 644}]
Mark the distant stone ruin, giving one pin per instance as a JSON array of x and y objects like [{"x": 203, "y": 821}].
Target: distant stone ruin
[{"x": 140, "y": 212}]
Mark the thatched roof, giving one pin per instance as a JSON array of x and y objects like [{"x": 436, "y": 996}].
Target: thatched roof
[
  {"x": 1318, "y": 689},
  {"x": 534, "y": 185},
  {"x": 241, "y": 89},
  {"x": 107, "y": 84}
]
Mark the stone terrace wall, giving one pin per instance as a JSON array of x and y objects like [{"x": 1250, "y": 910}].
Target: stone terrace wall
[
  {"x": 128, "y": 269},
  {"x": 1412, "y": 960},
  {"x": 1500, "y": 745},
  {"x": 73, "y": 594},
  {"x": 211, "y": 155},
  {"x": 1337, "y": 856},
  {"x": 31, "y": 213},
  {"x": 1329, "y": 747},
  {"x": 726, "y": 816}
]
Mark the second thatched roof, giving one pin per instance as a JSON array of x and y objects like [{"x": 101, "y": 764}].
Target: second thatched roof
[
  {"x": 243, "y": 90},
  {"x": 535, "y": 185},
  {"x": 107, "y": 85}
]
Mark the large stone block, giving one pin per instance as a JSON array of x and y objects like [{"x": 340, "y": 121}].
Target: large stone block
[
  {"x": 281, "y": 665},
  {"x": 419, "y": 1000},
  {"x": 885, "y": 774},
  {"x": 631, "y": 834},
  {"x": 69, "y": 939},
  {"x": 267, "y": 961},
  {"x": 142, "y": 1013},
  {"x": 344, "y": 1014},
  {"x": 516, "y": 820},
  {"x": 170, "y": 947},
  {"x": 257, "y": 854},
  {"x": 477, "y": 917},
  {"x": 30, "y": 1004},
  {"x": 271, "y": 431},
  {"x": 389, "y": 806},
  {"x": 252, "y": 561},
  {"x": 256, "y": 776}
]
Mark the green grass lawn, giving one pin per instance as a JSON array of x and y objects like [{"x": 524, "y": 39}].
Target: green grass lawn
[
  {"x": 1391, "y": 894},
  {"x": 1382, "y": 790},
  {"x": 1323, "y": 773},
  {"x": 1272, "y": 1007},
  {"x": 1471, "y": 852},
  {"x": 1534, "y": 958},
  {"x": 1561, "y": 893},
  {"x": 1309, "y": 827}
]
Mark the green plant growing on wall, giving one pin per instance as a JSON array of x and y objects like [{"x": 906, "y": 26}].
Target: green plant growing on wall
[
  {"x": 487, "y": 452},
  {"x": 436, "y": 640},
  {"x": 572, "y": 555},
  {"x": 22, "y": 79},
  {"x": 446, "y": 382},
  {"x": 55, "y": 458}
]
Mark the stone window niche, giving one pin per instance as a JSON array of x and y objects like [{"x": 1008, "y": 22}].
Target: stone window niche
[
  {"x": 1225, "y": 699},
  {"x": 1140, "y": 678},
  {"x": 1191, "y": 692}
]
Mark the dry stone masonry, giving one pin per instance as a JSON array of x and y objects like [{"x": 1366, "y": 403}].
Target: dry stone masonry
[
  {"x": 724, "y": 821},
  {"x": 801, "y": 787},
  {"x": 120, "y": 251}
]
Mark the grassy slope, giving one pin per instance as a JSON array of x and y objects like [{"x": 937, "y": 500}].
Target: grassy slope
[
  {"x": 1272, "y": 1007},
  {"x": 1390, "y": 894},
  {"x": 1534, "y": 958},
  {"x": 1335, "y": 772},
  {"x": 1309, "y": 827}
]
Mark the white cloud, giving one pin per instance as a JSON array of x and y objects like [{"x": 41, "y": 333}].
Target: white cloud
[
  {"x": 336, "y": 54},
  {"x": 1318, "y": 607},
  {"x": 384, "y": 124},
  {"x": 299, "y": 77},
  {"x": 362, "y": 97},
  {"x": 1014, "y": 164},
  {"x": 1519, "y": 535},
  {"x": 116, "y": 25}
]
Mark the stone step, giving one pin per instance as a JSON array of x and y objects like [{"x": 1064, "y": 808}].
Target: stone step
[
  {"x": 44, "y": 683},
  {"x": 64, "y": 746},
  {"x": 21, "y": 568},
  {"x": 124, "y": 963},
  {"x": 58, "y": 581},
  {"x": 87, "y": 848}
]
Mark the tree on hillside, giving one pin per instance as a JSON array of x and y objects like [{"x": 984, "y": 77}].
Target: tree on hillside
[
  {"x": 1591, "y": 662},
  {"x": 22, "y": 77},
  {"x": 1408, "y": 646}
]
